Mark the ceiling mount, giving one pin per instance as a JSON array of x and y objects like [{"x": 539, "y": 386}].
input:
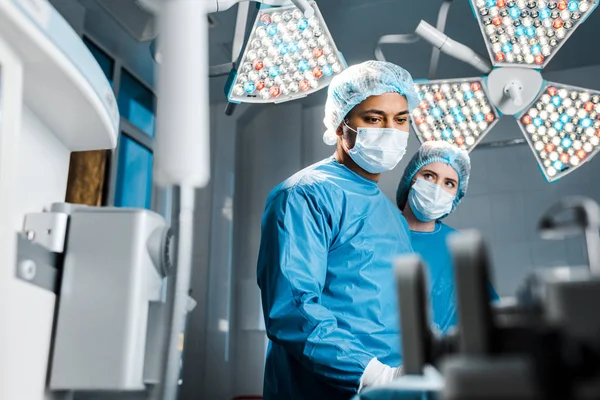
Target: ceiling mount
[{"x": 513, "y": 88}]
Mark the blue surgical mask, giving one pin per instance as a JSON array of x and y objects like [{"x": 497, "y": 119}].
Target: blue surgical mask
[
  {"x": 378, "y": 149},
  {"x": 429, "y": 201}
]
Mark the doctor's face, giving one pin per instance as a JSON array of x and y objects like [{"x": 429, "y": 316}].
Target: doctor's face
[
  {"x": 440, "y": 174},
  {"x": 389, "y": 110}
]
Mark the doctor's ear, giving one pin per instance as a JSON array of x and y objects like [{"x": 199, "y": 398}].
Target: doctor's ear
[{"x": 339, "y": 131}]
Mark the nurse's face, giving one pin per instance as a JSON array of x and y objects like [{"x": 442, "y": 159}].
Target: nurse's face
[
  {"x": 389, "y": 110},
  {"x": 440, "y": 174}
]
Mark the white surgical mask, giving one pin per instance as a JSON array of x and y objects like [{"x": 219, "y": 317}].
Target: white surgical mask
[
  {"x": 429, "y": 201},
  {"x": 378, "y": 149}
]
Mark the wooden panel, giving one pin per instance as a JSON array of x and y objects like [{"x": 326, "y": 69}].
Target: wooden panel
[{"x": 87, "y": 173}]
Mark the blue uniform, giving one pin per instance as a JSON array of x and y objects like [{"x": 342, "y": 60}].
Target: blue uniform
[
  {"x": 329, "y": 239},
  {"x": 433, "y": 248}
]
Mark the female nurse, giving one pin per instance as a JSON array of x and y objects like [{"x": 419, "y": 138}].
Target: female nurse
[{"x": 433, "y": 184}]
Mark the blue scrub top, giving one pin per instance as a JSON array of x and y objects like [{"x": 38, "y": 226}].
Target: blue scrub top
[
  {"x": 328, "y": 242},
  {"x": 433, "y": 248}
]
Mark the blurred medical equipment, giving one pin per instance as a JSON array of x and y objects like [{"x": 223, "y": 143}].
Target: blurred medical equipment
[
  {"x": 544, "y": 345},
  {"x": 107, "y": 265},
  {"x": 182, "y": 157},
  {"x": 47, "y": 74},
  {"x": 558, "y": 121},
  {"x": 113, "y": 328}
]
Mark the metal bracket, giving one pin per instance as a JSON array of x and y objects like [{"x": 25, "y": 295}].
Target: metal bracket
[
  {"x": 48, "y": 229},
  {"x": 502, "y": 79},
  {"x": 240, "y": 30},
  {"x": 215, "y": 71},
  {"x": 36, "y": 264}
]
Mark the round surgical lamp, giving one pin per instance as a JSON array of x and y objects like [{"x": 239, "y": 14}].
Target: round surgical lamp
[{"x": 559, "y": 122}]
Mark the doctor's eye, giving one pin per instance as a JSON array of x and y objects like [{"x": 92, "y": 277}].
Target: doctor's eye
[
  {"x": 428, "y": 176},
  {"x": 401, "y": 121},
  {"x": 373, "y": 120},
  {"x": 450, "y": 184}
]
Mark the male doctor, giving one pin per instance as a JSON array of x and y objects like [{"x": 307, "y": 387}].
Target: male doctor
[{"x": 329, "y": 239}]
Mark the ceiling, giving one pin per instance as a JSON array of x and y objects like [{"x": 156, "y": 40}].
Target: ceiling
[{"x": 356, "y": 25}]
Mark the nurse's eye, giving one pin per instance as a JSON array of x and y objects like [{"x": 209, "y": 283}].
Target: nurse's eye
[
  {"x": 401, "y": 121},
  {"x": 428, "y": 176},
  {"x": 450, "y": 184}
]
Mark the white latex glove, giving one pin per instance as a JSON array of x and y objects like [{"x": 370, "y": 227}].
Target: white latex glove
[{"x": 378, "y": 374}]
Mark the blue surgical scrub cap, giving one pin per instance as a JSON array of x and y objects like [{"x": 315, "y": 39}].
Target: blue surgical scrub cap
[
  {"x": 436, "y": 151},
  {"x": 355, "y": 84}
]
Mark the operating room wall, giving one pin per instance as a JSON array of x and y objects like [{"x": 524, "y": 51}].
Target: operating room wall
[{"x": 269, "y": 143}]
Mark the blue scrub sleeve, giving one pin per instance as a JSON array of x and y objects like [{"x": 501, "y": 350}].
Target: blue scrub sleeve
[{"x": 292, "y": 268}]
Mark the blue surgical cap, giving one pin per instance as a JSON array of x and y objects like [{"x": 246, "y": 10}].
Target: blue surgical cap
[
  {"x": 355, "y": 84},
  {"x": 436, "y": 151}
]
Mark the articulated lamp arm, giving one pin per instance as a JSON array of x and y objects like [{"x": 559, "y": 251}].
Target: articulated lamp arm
[
  {"x": 213, "y": 6},
  {"x": 222, "y": 5}
]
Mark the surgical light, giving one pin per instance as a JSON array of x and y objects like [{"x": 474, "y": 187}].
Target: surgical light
[
  {"x": 528, "y": 33},
  {"x": 559, "y": 122},
  {"x": 457, "y": 111},
  {"x": 287, "y": 56},
  {"x": 562, "y": 128},
  {"x": 290, "y": 53}
]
